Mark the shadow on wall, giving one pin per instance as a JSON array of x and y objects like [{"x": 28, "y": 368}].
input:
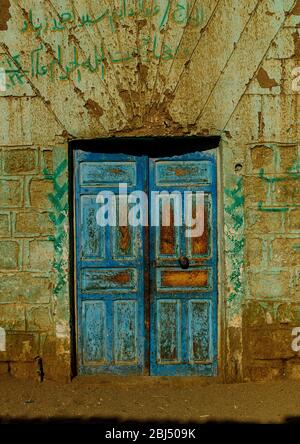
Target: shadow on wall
[{"x": 114, "y": 428}]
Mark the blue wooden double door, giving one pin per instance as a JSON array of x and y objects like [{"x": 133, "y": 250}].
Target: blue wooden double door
[{"x": 146, "y": 290}]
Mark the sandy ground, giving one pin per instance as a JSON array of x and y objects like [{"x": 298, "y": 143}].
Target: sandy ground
[{"x": 149, "y": 399}]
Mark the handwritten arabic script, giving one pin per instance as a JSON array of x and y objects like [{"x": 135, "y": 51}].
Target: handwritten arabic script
[
  {"x": 67, "y": 64},
  {"x": 185, "y": 12},
  {"x": 68, "y": 61}
]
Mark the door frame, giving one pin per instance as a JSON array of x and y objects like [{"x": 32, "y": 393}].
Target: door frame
[{"x": 150, "y": 146}]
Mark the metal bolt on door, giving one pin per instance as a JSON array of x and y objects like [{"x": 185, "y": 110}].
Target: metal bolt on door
[{"x": 128, "y": 275}]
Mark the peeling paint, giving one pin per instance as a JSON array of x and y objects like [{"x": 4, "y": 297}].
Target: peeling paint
[
  {"x": 264, "y": 80},
  {"x": 93, "y": 108},
  {"x": 58, "y": 217},
  {"x": 236, "y": 239}
]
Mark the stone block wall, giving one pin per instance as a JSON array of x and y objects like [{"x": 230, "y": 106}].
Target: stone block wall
[
  {"x": 29, "y": 277},
  {"x": 272, "y": 242}
]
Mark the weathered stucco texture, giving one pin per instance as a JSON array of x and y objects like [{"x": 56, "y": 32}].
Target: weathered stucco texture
[{"x": 85, "y": 69}]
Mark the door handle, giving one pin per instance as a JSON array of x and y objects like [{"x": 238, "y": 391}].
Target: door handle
[{"x": 184, "y": 262}]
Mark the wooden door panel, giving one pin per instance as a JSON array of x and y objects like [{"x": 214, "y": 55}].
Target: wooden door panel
[
  {"x": 184, "y": 300},
  {"x": 110, "y": 268}
]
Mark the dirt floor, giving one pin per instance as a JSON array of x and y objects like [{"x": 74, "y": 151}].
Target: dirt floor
[{"x": 149, "y": 399}]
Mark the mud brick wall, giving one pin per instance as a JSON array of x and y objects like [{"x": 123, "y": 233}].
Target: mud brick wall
[
  {"x": 226, "y": 73},
  {"x": 29, "y": 276},
  {"x": 272, "y": 309}
]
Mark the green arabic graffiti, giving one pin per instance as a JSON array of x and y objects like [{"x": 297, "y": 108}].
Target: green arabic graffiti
[
  {"x": 65, "y": 63},
  {"x": 235, "y": 237},
  {"x": 185, "y": 12},
  {"x": 58, "y": 217}
]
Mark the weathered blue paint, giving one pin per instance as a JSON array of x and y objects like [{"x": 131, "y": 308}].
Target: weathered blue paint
[
  {"x": 109, "y": 270},
  {"x": 107, "y": 174},
  {"x": 183, "y": 319},
  {"x": 112, "y": 279},
  {"x": 192, "y": 173}
]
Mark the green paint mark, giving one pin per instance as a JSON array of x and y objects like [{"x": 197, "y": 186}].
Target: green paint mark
[
  {"x": 58, "y": 217},
  {"x": 291, "y": 175},
  {"x": 235, "y": 238},
  {"x": 165, "y": 16},
  {"x": 272, "y": 209},
  {"x": 269, "y": 179},
  {"x": 236, "y": 195}
]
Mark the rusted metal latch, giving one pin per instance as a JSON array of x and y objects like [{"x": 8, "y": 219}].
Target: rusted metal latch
[{"x": 184, "y": 262}]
